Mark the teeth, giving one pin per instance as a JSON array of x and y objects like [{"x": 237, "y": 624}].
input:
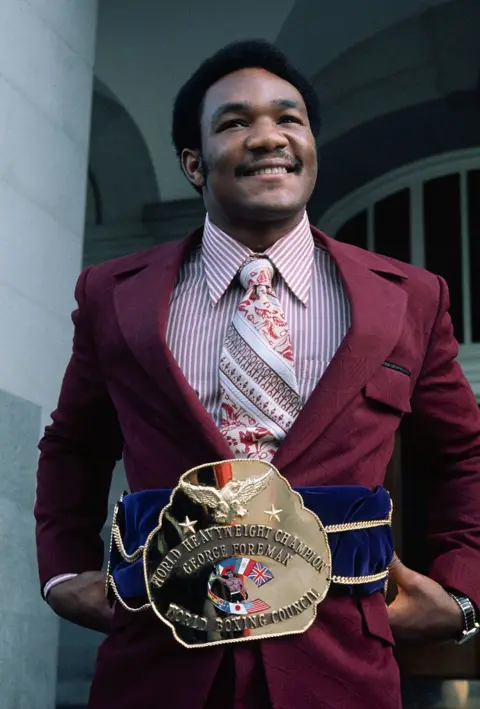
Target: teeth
[{"x": 271, "y": 171}]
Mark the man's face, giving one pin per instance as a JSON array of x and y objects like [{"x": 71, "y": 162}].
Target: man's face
[{"x": 258, "y": 151}]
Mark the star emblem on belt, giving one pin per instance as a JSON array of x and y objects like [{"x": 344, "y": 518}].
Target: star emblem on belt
[
  {"x": 189, "y": 525},
  {"x": 273, "y": 513}
]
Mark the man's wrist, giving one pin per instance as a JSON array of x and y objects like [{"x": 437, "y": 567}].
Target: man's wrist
[
  {"x": 471, "y": 624},
  {"x": 56, "y": 580}
]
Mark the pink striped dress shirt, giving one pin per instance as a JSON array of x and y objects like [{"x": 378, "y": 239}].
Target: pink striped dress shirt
[{"x": 207, "y": 293}]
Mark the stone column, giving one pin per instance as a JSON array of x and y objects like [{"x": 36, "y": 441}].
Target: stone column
[{"x": 46, "y": 62}]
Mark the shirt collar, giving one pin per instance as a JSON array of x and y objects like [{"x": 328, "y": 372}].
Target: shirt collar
[{"x": 292, "y": 256}]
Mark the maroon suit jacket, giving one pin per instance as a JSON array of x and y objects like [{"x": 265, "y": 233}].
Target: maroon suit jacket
[{"x": 123, "y": 394}]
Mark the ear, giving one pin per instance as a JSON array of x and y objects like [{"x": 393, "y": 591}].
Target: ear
[{"x": 193, "y": 167}]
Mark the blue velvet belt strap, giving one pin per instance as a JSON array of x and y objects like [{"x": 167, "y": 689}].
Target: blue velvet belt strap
[{"x": 356, "y": 552}]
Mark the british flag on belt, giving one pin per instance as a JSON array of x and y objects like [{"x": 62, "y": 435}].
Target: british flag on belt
[{"x": 259, "y": 574}]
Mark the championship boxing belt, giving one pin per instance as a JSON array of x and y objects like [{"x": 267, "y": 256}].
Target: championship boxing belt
[{"x": 235, "y": 553}]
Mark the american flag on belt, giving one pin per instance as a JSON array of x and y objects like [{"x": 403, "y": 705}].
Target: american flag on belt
[
  {"x": 256, "y": 606},
  {"x": 259, "y": 574}
]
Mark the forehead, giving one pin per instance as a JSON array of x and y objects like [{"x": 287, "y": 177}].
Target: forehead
[{"x": 255, "y": 86}]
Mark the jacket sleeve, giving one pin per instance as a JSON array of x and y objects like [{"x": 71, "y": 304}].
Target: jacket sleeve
[
  {"x": 78, "y": 453},
  {"x": 446, "y": 409}
]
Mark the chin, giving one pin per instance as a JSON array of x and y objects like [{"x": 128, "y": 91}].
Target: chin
[{"x": 273, "y": 209}]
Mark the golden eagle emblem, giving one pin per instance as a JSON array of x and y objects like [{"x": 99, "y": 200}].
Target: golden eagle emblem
[{"x": 227, "y": 503}]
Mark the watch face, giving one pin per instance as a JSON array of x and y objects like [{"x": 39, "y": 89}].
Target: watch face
[{"x": 468, "y": 635}]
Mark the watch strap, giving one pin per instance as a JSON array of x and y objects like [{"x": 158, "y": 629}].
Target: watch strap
[{"x": 471, "y": 625}]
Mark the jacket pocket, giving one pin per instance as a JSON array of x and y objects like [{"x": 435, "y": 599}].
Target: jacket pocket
[
  {"x": 390, "y": 388},
  {"x": 375, "y": 618}
]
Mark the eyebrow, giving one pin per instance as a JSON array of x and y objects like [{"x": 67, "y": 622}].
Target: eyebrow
[
  {"x": 288, "y": 103},
  {"x": 239, "y": 106},
  {"x": 230, "y": 107}
]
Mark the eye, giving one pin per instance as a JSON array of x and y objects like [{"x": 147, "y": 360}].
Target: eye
[
  {"x": 233, "y": 123},
  {"x": 290, "y": 119}
]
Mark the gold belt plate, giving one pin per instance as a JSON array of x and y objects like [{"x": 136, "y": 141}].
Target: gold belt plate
[{"x": 236, "y": 556}]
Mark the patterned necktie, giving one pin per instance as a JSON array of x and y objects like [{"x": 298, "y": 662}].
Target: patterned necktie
[{"x": 260, "y": 398}]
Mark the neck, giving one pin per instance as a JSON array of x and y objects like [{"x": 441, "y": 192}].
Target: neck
[{"x": 257, "y": 236}]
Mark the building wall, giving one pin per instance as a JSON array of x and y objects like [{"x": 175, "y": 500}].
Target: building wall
[
  {"x": 410, "y": 92},
  {"x": 46, "y": 63},
  {"x": 318, "y": 33}
]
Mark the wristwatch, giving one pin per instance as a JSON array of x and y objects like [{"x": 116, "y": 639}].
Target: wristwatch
[{"x": 471, "y": 625}]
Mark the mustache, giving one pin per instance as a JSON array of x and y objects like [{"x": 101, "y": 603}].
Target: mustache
[{"x": 243, "y": 168}]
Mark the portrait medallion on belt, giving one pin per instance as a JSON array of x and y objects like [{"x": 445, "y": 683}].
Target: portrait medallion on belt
[{"x": 236, "y": 556}]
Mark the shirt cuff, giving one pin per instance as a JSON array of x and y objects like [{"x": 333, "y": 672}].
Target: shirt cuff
[{"x": 56, "y": 580}]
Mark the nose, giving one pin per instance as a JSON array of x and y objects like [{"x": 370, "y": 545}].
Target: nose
[{"x": 266, "y": 136}]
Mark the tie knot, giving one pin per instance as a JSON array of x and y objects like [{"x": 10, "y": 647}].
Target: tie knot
[{"x": 258, "y": 272}]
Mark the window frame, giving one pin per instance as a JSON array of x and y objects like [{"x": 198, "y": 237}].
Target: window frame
[{"x": 413, "y": 176}]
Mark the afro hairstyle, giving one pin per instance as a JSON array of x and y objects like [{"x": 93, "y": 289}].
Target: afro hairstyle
[{"x": 253, "y": 53}]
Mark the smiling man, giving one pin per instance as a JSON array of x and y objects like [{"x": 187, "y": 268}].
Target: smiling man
[
  {"x": 257, "y": 182},
  {"x": 258, "y": 337}
]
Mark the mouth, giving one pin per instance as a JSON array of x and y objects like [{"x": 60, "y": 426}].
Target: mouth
[{"x": 268, "y": 171}]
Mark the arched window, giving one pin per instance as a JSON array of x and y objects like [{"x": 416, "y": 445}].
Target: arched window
[{"x": 428, "y": 214}]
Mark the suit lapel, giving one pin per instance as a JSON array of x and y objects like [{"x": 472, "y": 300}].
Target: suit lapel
[
  {"x": 377, "y": 308},
  {"x": 142, "y": 297}
]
